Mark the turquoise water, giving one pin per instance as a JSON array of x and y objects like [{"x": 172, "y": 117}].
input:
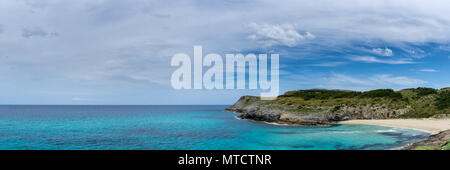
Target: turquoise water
[{"x": 177, "y": 127}]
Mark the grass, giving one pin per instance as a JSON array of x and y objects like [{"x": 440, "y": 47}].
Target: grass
[
  {"x": 446, "y": 146},
  {"x": 426, "y": 102},
  {"x": 428, "y": 148}
]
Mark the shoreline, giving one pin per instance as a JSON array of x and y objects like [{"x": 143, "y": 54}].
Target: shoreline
[
  {"x": 271, "y": 123},
  {"x": 428, "y": 125},
  {"x": 276, "y": 123},
  {"x": 281, "y": 123},
  {"x": 432, "y": 126}
]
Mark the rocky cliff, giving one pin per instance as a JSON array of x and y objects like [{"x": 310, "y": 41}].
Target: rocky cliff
[{"x": 327, "y": 107}]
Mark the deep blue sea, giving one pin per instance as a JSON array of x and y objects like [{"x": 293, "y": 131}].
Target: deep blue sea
[{"x": 177, "y": 127}]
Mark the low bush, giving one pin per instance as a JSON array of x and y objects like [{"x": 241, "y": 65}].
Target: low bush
[
  {"x": 443, "y": 100},
  {"x": 388, "y": 93}
]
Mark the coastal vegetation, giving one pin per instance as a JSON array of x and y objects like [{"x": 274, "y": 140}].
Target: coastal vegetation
[
  {"x": 321, "y": 106},
  {"x": 443, "y": 147}
]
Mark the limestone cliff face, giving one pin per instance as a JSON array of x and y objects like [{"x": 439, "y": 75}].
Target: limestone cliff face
[
  {"x": 311, "y": 115},
  {"x": 317, "y": 107}
]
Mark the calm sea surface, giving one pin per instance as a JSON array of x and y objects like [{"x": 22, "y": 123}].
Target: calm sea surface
[{"x": 177, "y": 127}]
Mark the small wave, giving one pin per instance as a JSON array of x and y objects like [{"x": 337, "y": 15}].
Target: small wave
[
  {"x": 384, "y": 131},
  {"x": 278, "y": 124}
]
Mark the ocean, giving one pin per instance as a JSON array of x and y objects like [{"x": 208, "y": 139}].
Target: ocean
[{"x": 108, "y": 127}]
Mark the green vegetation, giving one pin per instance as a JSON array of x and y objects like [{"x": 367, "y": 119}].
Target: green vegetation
[
  {"x": 322, "y": 94},
  {"x": 428, "y": 148},
  {"x": 419, "y": 102},
  {"x": 387, "y": 93},
  {"x": 445, "y": 146},
  {"x": 443, "y": 100},
  {"x": 426, "y": 102},
  {"x": 423, "y": 91}
]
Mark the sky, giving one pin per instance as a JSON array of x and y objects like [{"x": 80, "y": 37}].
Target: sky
[{"x": 119, "y": 51}]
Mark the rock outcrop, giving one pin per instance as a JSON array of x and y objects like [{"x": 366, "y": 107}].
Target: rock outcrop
[
  {"x": 437, "y": 142},
  {"x": 252, "y": 108},
  {"x": 318, "y": 107}
]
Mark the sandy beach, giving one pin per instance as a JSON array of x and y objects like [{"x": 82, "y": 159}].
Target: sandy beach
[{"x": 429, "y": 125}]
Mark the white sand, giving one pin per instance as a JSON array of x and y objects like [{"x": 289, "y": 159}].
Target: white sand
[{"x": 428, "y": 125}]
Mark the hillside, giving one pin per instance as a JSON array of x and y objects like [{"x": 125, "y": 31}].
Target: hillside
[{"x": 317, "y": 107}]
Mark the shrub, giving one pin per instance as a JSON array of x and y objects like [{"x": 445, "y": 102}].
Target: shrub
[
  {"x": 446, "y": 146},
  {"x": 423, "y": 91},
  {"x": 443, "y": 100},
  {"x": 321, "y": 94},
  {"x": 388, "y": 93}
]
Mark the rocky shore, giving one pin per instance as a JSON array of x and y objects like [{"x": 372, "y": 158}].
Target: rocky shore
[
  {"x": 252, "y": 108},
  {"x": 440, "y": 141},
  {"x": 274, "y": 115}
]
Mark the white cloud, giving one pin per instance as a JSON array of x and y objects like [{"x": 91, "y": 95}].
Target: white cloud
[
  {"x": 344, "y": 79},
  {"x": 308, "y": 35},
  {"x": 428, "y": 70},
  {"x": 330, "y": 64},
  {"x": 383, "y": 52},
  {"x": 341, "y": 81},
  {"x": 270, "y": 35},
  {"x": 143, "y": 35},
  {"x": 400, "y": 80},
  {"x": 370, "y": 59}
]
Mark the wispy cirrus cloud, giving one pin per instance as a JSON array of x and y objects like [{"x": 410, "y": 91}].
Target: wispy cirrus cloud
[
  {"x": 396, "y": 80},
  {"x": 370, "y": 59},
  {"x": 342, "y": 81},
  {"x": 329, "y": 64},
  {"x": 428, "y": 70}
]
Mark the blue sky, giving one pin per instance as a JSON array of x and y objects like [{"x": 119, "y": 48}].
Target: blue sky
[{"x": 119, "y": 51}]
